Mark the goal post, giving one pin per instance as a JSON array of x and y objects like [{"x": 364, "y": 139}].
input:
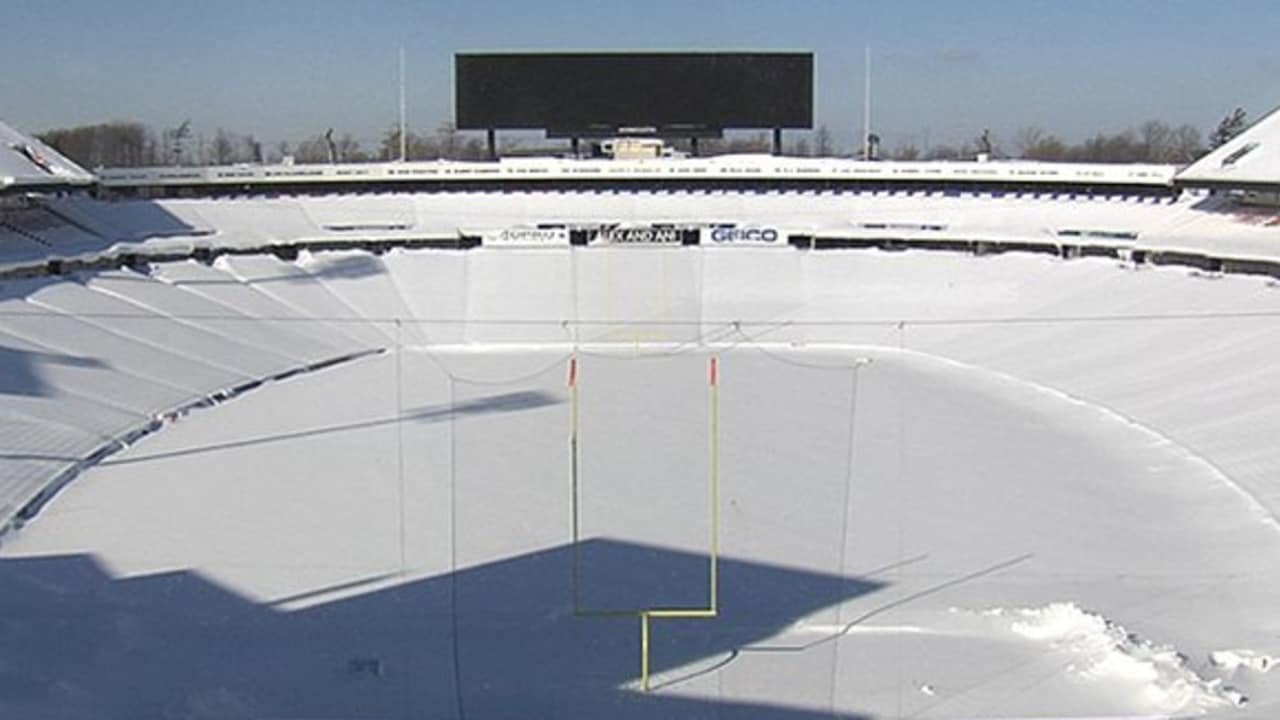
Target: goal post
[{"x": 647, "y": 614}]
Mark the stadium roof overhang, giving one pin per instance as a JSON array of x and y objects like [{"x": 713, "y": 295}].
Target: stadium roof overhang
[
  {"x": 28, "y": 165},
  {"x": 1249, "y": 161}
]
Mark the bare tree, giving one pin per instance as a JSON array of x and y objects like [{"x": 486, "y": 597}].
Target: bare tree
[
  {"x": 1124, "y": 146},
  {"x": 223, "y": 148},
  {"x": 417, "y": 147},
  {"x": 1185, "y": 145},
  {"x": 1033, "y": 143},
  {"x": 348, "y": 149},
  {"x": 473, "y": 149},
  {"x": 942, "y": 152},
  {"x": 112, "y": 144},
  {"x": 905, "y": 152},
  {"x": 312, "y": 150},
  {"x": 1026, "y": 138},
  {"x": 951, "y": 152},
  {"x": 448, "y": 140},
  {"x": 1156, "y": 140},
  {"x": 1152, "y": 141}
]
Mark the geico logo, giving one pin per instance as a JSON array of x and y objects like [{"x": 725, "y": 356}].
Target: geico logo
[
  {"x": 747, "y": 234},
  {"x": 641, "y": 235}
]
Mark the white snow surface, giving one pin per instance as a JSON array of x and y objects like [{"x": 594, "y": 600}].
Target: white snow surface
[
  {"x": 391, "y": 536},
  {"x": 1247, "y": 659},
  {"x": 1107, "y": 652}
]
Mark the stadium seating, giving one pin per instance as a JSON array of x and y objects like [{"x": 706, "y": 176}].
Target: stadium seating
[{"x": 105, "y": 353}]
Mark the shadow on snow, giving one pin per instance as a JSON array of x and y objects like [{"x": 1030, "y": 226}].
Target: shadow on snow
[{"x": 74, "y": 642}]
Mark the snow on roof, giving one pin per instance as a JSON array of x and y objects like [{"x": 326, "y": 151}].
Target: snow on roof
[
  {"x": 25, "y": 161},
  {"x": 1250, "y": 159}
]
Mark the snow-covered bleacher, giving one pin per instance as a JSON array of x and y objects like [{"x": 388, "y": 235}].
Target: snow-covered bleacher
[
  {"x": 84, "y": 228},
  {"x": 27, "y": 163},
  {"x": 94, "y": 358},
  {"x": 129, "y": 221},
  {"x": 57, "y": 235}
]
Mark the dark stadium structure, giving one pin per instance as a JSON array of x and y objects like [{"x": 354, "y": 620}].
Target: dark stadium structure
[{"x": 651, "y": 93}]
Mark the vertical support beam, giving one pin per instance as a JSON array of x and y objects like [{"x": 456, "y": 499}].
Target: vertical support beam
[
  {"x": 492, "y": 136},
  {"x": 644, "y": 651},
  {"x": 777, "y": 141}
]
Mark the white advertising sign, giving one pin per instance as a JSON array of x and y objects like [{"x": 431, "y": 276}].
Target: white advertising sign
[
  {"x": 527, "y": 237},
  {"x": 743, "y": 235}
]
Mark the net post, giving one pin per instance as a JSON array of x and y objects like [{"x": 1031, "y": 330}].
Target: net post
[
  {"x": 573, "y": 475},
  {"x": 714, "y": 378}
]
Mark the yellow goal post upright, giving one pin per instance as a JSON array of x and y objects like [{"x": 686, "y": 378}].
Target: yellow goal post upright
[{"x": 647, "y": 614}]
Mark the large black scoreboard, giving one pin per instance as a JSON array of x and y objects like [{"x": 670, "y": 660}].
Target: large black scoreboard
[{"x": 665, "y": 93}]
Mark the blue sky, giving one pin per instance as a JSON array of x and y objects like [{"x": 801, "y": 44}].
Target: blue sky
[{"x": 943, "y": 70}]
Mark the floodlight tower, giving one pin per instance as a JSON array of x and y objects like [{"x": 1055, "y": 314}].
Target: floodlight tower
[
  {"x": 404, "y": 142},
  {"x": 179, "y": 135},
  {"x": 866, "y": 108}
]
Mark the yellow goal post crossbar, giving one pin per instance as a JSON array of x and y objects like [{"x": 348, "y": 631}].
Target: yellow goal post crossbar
[{"x": 647, "y": 614}]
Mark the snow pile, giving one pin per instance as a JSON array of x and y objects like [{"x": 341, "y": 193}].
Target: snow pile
[
  {"x": 1105, "y": 651},
  {"x": 1231, "y": 660}
]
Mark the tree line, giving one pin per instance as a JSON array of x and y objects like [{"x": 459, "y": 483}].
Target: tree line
[
  {"x": 134, "y": 144},
  {"x": 1153, "y": 141}
]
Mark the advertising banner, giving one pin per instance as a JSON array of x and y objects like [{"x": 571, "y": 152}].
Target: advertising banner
[
  {"x": 527, "y": 237},
  {"x": 743, "y": 235},
  {"x": 641, "y": 235}
]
